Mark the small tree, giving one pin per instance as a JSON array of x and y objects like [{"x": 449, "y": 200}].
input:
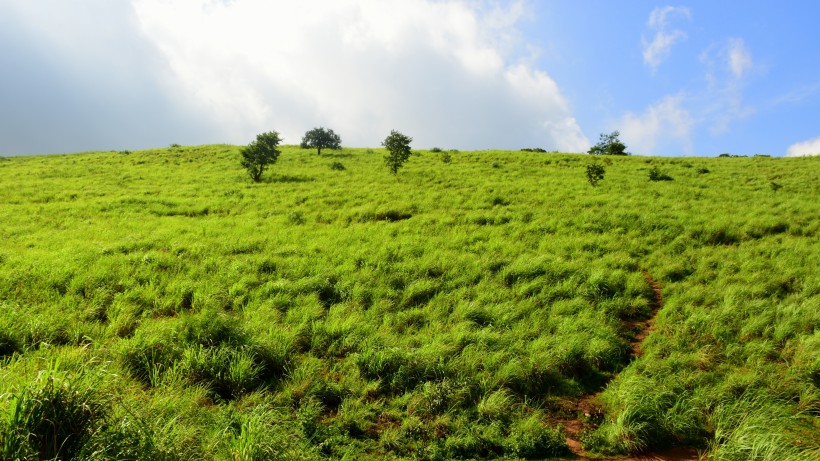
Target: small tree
[
  {"x": 260, "y": 153},
  {"x": 595, "y": 173},
  {"x": 398, "y": 148},
  {"x": 321, "y": 138},
  {"x": 609, "y": 144}
]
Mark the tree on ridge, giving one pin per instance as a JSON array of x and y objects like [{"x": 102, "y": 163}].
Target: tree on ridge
[{"x": 321, "y": 138}]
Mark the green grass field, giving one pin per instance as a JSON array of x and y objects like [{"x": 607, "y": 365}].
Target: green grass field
[{"x": 160, "y": 305}]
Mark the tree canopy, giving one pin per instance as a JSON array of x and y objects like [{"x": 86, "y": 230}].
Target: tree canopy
[
  {"x": 260, "y": 153},
  {"x": 398, "y": 150},
  {"x": 609, "y": 144},
  {"x": 321, "y": 138}
]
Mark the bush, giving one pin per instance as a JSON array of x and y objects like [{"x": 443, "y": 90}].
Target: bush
[
  {"x": 337, "y": 166},
  {"x": 296, "y": 217},
  {"x": 656, "y": 174},
  {"x": 595, "y": 173}
]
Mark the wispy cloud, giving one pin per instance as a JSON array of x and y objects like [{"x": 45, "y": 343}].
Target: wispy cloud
[
  {"x": 798, "y": 95},
  {"x": 656, "y": 50},
  {"x": 728, "y": 65},
  {"x": 669, "y": 125},
  {"x": 804, "y": 148},
  {"x": 738, "y": 58}
]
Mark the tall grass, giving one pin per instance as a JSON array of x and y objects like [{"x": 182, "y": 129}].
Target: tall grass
[
  {"x": 449, "y": 311},
  {"x": 53, "y": 417}
]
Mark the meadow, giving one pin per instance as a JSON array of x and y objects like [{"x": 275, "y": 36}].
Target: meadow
[{"x": 160, "y": 305}]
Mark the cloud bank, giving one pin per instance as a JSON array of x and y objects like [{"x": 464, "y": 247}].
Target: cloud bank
[
  {"x": 151, "y": 72},
  {"x": 439, "y": 71},
  {"x": 805, "y": 148},
  {"x": 80, "y": 76}
]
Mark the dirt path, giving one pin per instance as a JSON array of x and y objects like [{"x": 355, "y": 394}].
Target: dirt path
[{"x": 585, "y": 408}]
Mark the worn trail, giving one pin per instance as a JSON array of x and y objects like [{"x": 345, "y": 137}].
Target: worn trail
[{"x": 584, "y": 408}]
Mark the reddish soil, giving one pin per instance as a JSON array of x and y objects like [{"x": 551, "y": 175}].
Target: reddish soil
[{"x": 585, "y": 408}]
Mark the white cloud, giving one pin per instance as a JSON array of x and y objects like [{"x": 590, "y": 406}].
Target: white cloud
[
  {"x": 659, "y": 48},
  {"x": 664, "y": 125},
  {"x": 805, "y": 148},
  {"x": 124, "y": 75},
  {"x": 441, "y": 71}
]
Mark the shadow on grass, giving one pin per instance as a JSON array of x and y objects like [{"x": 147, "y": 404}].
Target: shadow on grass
[
  {"x": 289, "y": 179},
  {"x": 337, "y": 155}
]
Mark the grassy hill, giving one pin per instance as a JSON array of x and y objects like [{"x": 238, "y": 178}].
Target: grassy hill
[{"x": 160, "y": 305}]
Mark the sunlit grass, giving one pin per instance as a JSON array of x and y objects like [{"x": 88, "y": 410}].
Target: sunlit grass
[{"x": 439, "y": 313}]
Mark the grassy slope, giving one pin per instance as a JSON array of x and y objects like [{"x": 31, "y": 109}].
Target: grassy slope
[{"x": 448, "y": 311}]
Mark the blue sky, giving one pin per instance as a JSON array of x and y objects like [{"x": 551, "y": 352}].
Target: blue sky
[{"x": 680, "y": 78}]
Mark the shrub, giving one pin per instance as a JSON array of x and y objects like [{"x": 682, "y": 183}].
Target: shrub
[
  {"x": 595, "y": 173},
  {"x": 436, "y": 150},
  {"x": 446, "y": 157},
  {"x": 337, "y": 166},
  {"x": 656, "y": 174},
  {"x": 296, "y": 217}
]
